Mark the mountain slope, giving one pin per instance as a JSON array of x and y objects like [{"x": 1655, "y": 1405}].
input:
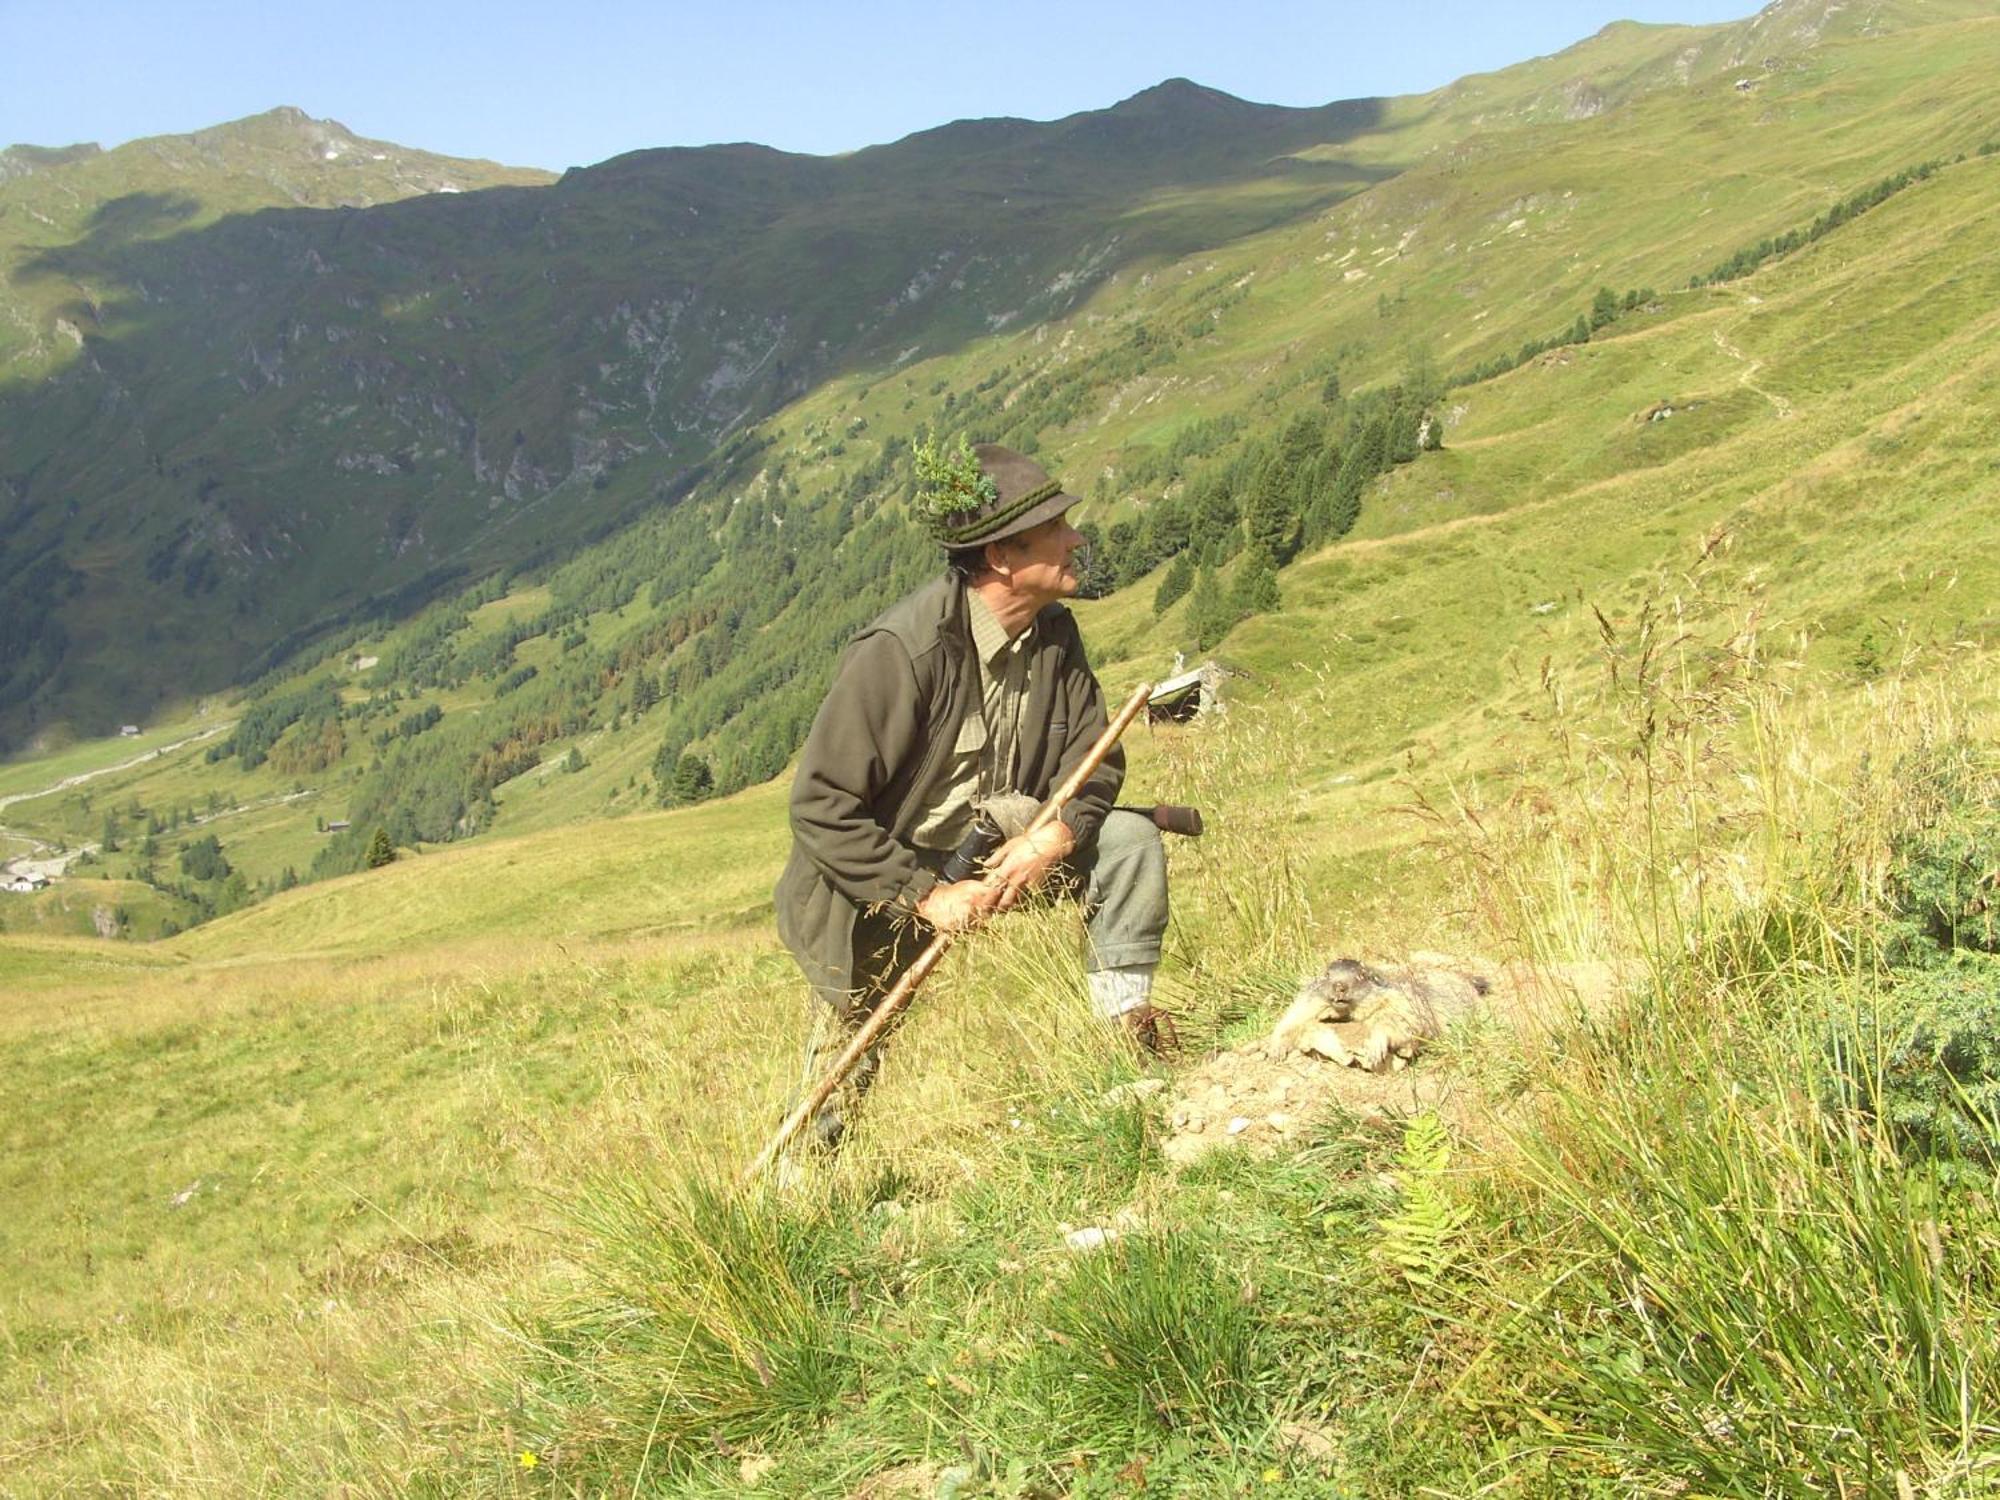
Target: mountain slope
[
  {"x": 220, "y": 436},
  {"x": 276, "y": 418}
]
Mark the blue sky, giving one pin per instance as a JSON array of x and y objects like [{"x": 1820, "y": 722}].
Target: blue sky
[{"x": 557, "y": 85}]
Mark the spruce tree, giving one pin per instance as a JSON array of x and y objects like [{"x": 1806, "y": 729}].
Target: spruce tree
[
  {"x": 1209, "y": 615},
  {"x": 1178, "y": 580},
  {"x": 1267, "y": 513},
  {"x": 380, "y": 850},
  {"x": 1256, "y": 587},
  {"x": 692, "y": 782}
]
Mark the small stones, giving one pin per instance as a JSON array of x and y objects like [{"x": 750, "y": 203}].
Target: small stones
[
  {"x": 1138, "y": 1088},
  {"x": 1092, "y": 1237}
]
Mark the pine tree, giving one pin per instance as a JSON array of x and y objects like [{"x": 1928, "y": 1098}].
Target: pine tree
[
  {"x": 380, "y": 851},
  {"x": 1216, "y": 531},
  {"x": 692, "y": 782},
  {"x": 1178, "y": 580},
  {"x": 1268, "y": 513},
  {"x": 1209, "y": 615},
  {"x": 1604, "y": 310},
  {"x": 1167, "y": 527},
  {"x": 1256, "y": 588}
]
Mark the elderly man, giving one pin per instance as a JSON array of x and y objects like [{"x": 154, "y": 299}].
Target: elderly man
[{"x": 972, "y": 688}]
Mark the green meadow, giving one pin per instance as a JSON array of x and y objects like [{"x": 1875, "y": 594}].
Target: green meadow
[{"x": 421, "y": 1180}]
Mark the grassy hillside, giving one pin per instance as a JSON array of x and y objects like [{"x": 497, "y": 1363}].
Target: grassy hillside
[
  {"x": 708, "y": 628},
  {"x": 414, "y": 1181},
  {"x": 424, "y": 393}
]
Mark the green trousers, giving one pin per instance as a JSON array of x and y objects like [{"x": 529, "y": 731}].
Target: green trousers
[{"x": 1121, "y": 881}]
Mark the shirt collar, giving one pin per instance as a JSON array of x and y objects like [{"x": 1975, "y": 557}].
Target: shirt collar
[{"x": 989, "y": 639}]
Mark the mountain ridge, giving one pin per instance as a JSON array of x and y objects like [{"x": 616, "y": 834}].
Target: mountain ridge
[{"x": 301, "y": 417}]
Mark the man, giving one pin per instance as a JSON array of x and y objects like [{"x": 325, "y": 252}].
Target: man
[{"x": 972, "y": 688}]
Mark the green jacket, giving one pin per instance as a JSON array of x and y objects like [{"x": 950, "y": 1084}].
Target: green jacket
[{"x": 893, "y": 711}]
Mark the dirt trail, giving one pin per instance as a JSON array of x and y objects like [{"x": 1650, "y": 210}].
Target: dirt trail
[
  {"x": 1747, "y": 376},
  {"x": 36, "y": 861}
]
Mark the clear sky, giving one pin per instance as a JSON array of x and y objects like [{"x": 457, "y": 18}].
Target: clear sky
[{"x": 554, "y": 85}]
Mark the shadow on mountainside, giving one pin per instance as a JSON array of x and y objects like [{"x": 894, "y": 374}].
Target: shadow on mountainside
[{"x": 275, "y": 418}]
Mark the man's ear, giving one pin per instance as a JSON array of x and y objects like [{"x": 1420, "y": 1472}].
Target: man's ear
[{"x": 997, "y": 560}]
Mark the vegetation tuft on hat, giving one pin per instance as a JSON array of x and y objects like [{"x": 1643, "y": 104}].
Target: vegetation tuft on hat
[{"x": 951, "y": 488}]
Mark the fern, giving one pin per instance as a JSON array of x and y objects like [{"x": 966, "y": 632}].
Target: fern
[{"x": 1418, "y": 1238}]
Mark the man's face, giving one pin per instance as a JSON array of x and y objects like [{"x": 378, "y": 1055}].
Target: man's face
[{"x": 1040, "y": 560}]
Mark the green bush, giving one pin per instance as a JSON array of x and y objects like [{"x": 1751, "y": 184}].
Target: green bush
[
  {"x": 1945, "y": 883},
  {"x": 1925, "y": 1061}
]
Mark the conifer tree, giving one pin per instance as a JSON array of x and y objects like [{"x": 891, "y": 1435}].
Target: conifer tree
[
  {"x": 380, "y": 851},
  {"x": 1216, "y": 532},
  {"x": 1267, "y": 512},
  {"x": 692, "y": 781},
  {"x": 1178, "y": 580},
  {"x": 1209, "y": 615},
  {"x": 1167, "y": 527},
  {"x": 1256, "y": 587}
]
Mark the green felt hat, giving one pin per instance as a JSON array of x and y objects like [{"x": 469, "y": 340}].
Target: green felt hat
[{"x": 973, "y": 496}]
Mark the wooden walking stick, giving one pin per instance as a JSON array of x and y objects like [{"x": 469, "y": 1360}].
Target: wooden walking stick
[{"x": 898, "y": 999}]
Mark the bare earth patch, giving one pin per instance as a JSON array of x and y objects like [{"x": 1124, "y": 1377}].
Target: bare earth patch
[{"x": 1350, "y": 1041}]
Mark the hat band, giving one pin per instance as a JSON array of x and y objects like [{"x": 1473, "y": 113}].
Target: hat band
[{"x": 979, "y": 523}]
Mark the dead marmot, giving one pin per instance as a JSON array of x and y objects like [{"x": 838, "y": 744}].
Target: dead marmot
[{"x": 1373, "y": 1018}]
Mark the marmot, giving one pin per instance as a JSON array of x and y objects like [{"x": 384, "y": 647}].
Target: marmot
[{"x": 1372, "y": 1018}]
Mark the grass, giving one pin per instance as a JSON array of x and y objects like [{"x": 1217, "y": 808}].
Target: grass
[
  {"x": 416, "y": 1182},
  {"x": 549, "y": 1214}
]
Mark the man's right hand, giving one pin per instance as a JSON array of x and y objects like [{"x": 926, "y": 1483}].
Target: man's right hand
[{"x": 960, "y": 906}]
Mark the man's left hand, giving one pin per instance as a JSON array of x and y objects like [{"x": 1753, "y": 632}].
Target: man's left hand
[{"x": 1022, "y": 864}]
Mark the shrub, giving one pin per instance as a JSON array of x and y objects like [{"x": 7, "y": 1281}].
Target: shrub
[
  {"x": 1925, "y": 1061},
  {"x": 1944, "y": 884}
]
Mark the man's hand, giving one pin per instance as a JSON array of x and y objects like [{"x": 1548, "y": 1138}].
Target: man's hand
[
  {"x": 1021, "y": 864},
  {"x": 960, "y": 906}
]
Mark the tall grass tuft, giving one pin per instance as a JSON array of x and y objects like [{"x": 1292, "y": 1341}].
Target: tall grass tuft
[
  {"x": 1738, "y": 1284},
  {"x": 1756, "y": 1297},
  {"x": 1151, "y": 1335},
  {"x": 713, "y": 1318}
]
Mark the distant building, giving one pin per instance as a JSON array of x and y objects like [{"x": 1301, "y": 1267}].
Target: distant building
[
  {"x": 1186, "y": 694},
  {"x": 129, "y": 731},
  {"x": 28, "y": 882},
  {"x": 338, "y": 825}
]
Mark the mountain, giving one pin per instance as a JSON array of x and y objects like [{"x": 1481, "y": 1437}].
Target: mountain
[
  {"x": 274, "y": 420},
  {"x": 1617, "y": 473},
  {"x": 302, "y": 423}
]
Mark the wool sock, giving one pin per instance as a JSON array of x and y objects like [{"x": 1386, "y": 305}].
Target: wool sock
[{"x": 1113, "y": 992}]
